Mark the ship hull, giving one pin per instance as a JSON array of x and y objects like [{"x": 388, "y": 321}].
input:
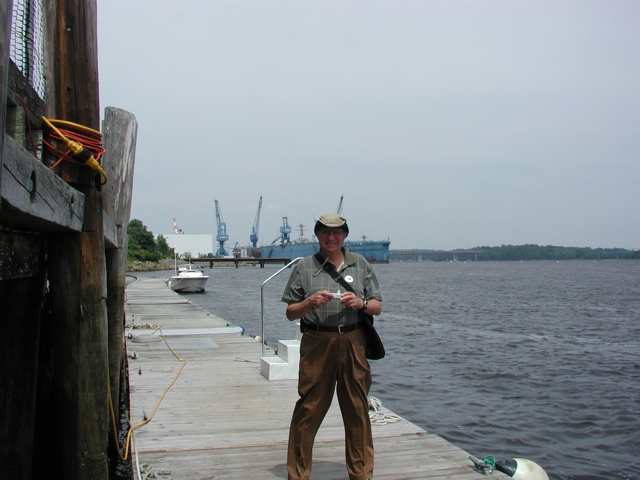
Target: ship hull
[{"x": 373, "y": 251}]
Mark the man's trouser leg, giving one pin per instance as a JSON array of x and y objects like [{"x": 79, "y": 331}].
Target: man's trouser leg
[
  {"x": 354, "y": 382},
  {"x": 316, "y": 386}
]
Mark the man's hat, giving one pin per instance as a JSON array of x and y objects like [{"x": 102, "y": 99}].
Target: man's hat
[{"x": 331, "y": 220}]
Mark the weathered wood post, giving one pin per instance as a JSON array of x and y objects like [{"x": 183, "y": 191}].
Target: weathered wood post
[
  {"x": 120, "y": 133},
  {"x": 77, "y": 260}
]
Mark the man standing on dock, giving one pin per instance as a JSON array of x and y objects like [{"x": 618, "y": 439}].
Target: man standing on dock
[{"x": 332, "y": 351}]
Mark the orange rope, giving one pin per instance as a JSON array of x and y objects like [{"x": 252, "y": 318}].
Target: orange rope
[{"x": 90, "y": 142}]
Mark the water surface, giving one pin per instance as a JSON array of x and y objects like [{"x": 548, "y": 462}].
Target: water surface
[{"x": 539, "y": 360}]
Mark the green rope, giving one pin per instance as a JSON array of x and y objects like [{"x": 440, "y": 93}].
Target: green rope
[{"x": 490, "y": 460}]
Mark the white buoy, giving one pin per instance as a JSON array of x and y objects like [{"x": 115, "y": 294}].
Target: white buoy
[
  {"x": 518, "y": 468},
  {"x": 522, "y": 469}
]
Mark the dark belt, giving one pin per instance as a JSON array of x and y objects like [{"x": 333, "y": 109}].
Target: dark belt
[{"x": 332, "y": 328}]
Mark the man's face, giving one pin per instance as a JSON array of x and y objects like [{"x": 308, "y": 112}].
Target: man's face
[{"x": 331, "y": 239}]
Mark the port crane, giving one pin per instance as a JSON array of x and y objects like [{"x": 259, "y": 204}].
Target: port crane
[
  {"x": 285, "y": 233},
  {"x": 221, "y": 236},
  {"x": 339, "y": 209},
  {"x": 256, "y": 225}
]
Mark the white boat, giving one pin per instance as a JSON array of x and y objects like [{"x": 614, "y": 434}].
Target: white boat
[{"x": 189, "y": 278}]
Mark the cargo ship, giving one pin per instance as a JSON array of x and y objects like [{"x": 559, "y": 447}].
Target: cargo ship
[{"x": 376, "y": 251}]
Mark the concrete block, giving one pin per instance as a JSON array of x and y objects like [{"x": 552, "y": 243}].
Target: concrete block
[{"x": 285, "y": 365}]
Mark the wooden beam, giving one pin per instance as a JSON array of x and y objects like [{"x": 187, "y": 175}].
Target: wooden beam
[
  {"x": 37, "y": 198},
  {"x": 34, "y": 196}
]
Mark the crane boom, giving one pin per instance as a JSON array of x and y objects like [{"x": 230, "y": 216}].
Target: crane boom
[
  {"x": 221, "y": 236},
  {"x": 339, "y": 209},
  {"x": 256, "y": 226}
]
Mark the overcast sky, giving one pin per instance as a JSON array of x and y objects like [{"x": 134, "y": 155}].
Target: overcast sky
[{"x": 444, "y": 123}]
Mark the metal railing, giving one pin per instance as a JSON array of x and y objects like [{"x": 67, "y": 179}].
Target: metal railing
[{"x": 290, "y": 264}]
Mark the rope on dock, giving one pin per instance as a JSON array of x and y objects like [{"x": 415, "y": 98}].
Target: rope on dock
[
  {"x": 124, "y": 456},
  {"x": 146, "y": 472},
  {"x": 378, "y": 418}
]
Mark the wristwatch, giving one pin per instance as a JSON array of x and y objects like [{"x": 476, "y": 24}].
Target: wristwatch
[{"x": 365, "y": 304}]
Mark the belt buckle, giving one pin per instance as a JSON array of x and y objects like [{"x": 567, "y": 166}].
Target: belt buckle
[{"x": 340, "y": 327}]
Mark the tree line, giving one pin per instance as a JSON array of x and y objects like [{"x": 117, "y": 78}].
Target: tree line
[
  {"x": 143, "y": 246},
  {"x": 550, "y": 252}
]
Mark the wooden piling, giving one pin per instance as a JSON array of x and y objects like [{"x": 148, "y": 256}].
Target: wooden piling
[
  {"x": 120, "y": 133},
  {"x": 78, "y": 264}
]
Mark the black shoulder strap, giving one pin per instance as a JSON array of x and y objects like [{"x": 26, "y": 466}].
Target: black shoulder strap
[{"x": 333, "y": 273}]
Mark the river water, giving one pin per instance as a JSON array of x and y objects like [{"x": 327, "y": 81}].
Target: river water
[{"x": 537, "y": 360}]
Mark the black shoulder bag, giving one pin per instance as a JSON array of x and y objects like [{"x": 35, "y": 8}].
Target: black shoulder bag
[{"x": 375, "y": 348}]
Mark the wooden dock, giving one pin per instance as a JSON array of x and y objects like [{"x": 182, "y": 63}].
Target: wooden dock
[
  {"x": 237, "y": 261},
  {"x": 222, "y": 419}
]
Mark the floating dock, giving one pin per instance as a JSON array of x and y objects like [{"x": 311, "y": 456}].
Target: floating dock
[{"x": 212, "y": 415}]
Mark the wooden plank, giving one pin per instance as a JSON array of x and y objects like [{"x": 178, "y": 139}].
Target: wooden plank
[
  {"x": 35, "y": 197},
  {"x": 241, "y": 260},
  {"x": 221, "y": 419}
]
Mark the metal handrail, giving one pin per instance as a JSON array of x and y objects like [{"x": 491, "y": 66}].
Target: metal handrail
[{"x": 291, "y": 263}]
